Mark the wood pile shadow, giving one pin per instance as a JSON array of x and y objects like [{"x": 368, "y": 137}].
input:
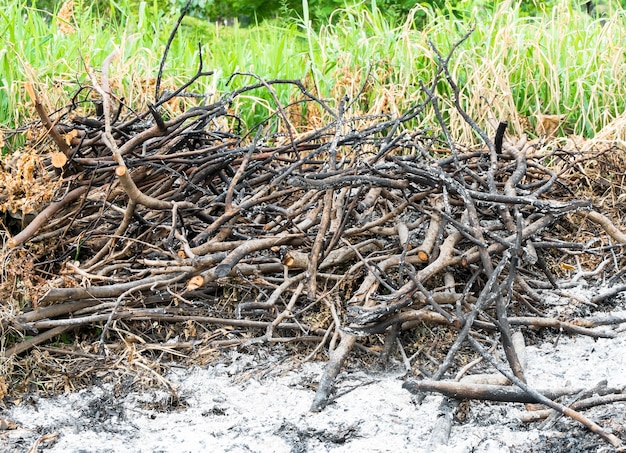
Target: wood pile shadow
[{"x": 363, "y": 227}]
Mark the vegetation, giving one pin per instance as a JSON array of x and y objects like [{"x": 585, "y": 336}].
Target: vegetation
[{"x": 515, "y": 66}]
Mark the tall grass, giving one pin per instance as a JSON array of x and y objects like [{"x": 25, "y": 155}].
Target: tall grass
[
  {"x": 35, "y": 49},
  {"x": 512, "y": 67}
]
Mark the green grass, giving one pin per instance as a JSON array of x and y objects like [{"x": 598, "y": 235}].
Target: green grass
[{"x": 513, "y": 67}]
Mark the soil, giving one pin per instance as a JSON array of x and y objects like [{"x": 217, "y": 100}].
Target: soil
[{"x": 259, "y": 402}]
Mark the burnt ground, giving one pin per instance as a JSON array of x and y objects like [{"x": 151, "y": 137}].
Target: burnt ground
[{"x": 259, "y": 402}]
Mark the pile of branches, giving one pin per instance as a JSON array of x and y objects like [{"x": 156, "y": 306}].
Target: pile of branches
[{"x": 362, "y": 227}]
